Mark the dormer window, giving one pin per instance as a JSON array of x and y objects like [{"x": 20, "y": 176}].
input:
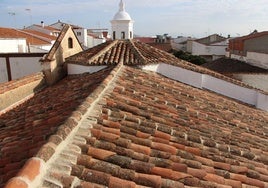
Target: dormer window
[{"x": 70, "y": 42}]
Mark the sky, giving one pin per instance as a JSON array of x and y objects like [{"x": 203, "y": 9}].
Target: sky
[{"x": 194, "y": 18}]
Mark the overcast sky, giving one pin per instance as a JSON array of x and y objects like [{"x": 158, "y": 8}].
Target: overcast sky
[{"x": 196, "y": 18}]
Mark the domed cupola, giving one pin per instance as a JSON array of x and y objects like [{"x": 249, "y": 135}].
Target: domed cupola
[{"x": 122, "y": 24}]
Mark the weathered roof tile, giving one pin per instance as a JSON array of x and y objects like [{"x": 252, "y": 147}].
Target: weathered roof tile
[{"x": 142, "y": 135}]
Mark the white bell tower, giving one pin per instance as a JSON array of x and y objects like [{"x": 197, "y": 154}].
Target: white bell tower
[{"x": 122, "y": 24}]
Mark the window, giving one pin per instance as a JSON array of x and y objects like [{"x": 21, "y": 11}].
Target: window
[
  {"x": 70, "y": 42},
  {"x": 130, "y": 34},
  {"x": 123, "y": 35},
  {"x": 114, "y": 35},
  {"x": 79, "y": 33}
]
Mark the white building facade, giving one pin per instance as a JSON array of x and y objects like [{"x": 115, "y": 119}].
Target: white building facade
[
  {"x": 13, "y": 45},
  {"x": 122, "y": 24}
]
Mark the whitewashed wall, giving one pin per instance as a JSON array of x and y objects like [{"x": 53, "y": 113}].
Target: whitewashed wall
[
  {"x": 20, "y": 67},
  {"x": 92, "y": 41},
  {"x": 262, "y": 101},
  {"x": 13, "y": 45},
  {"x": 258, "y": 59},
  {"x": 23, "y": 66},
  {"x": 239, "y": 57},
  {"x": 201, "y": 49},
  {"x": 177, "y": 43},
  {"x": 259, "y": 81},
  {"x": 83, "y": 37},
  {"x": 229, "y": 89},
  {"x": 246, "y": 95},
  {"x": 253, "y": 58}
]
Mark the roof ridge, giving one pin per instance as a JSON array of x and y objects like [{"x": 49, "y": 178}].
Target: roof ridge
[
  {"x": 137, "y": 52},
  {"x": 37, "y": 36},
  {"x": 103, "y": 51},
  {"x": 66, "y": 133},
  {"x": 56, "y": 44}
]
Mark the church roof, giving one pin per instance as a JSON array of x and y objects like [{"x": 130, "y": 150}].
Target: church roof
[{"x": 122, "y": 14}]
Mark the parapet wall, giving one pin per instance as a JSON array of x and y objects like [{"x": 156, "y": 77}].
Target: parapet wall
[{"x": 16, "y": 91}]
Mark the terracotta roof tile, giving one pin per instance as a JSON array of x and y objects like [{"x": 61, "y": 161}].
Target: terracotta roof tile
[
  {"x": 28, "y": 126},
  {"x": 138, "y": 134},
  {"x": 30, "y": 38}
]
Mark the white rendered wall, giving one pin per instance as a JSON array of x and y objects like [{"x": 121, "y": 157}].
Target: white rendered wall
[
  {"x": 258, "y": 59},
  {"x": 3, "y": 70},
  {"x": 91, "y": 41},
  {"x": 201, "y": 49},
  {"x": 229, "y": 89},
  {"x": 80, "y": 69},
  {"x": 120, "y": 26},
  {"x": 259, "y": 81},
  {"x": 83, "y": 37},
  {"x": 13, "y": 45},
  {"x": 262, "y": 102},
  {"x": 253, "y": 58},
  {"x": 239, "y": 57},
  {"x": 23, "y": 66},
  {"x": 246, "y": 95},
  {"x": 183, "y": 75}
]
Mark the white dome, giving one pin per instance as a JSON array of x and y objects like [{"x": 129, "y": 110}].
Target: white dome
[{"x": 122, "y": 15}]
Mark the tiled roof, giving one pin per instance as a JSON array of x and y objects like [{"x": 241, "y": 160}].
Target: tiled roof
[
  {"x": 10, "y": 85},
  {"x": 40, "y": 34},
  {"x": 251, "y": 36},
  {"x": 146, "y": 40},
  {"x": 162, "y": 46},
  {"x": 227, "y": 65},
  {"x": 130, "y": 52},
  {"x": 48, "y": 28},
  {"x": 24, "y": 129},
  {"x": 207, "y": 40},
  {"x": 145, "y": 130},
  {"x": 15, "y": 33}
]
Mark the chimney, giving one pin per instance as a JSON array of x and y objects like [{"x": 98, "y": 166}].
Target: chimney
[{"x": 42, "y": 24}]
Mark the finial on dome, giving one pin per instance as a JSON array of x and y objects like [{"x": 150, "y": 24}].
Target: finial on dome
[{"x": 121, "y": 6}]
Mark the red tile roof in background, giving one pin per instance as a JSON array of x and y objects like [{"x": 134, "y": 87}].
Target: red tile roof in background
[
  {"x": 146, "y": 40},
  {"x": 15, "y": 33},
  {"x": 37, "y": 33},
  {"x": 48, "y": 28}
]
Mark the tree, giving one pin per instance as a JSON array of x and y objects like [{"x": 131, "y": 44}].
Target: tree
[{"x": 197, "y": 60}]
